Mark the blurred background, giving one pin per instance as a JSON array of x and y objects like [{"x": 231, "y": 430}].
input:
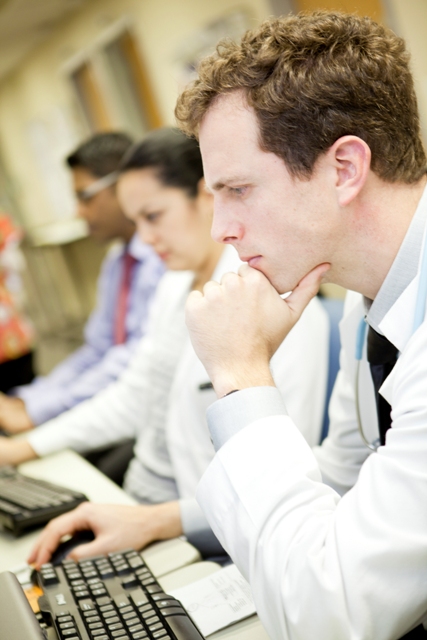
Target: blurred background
[{"x": 70, "y": 68}]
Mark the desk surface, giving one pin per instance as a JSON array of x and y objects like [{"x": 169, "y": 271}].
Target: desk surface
[{"x": 69, "y": 469}]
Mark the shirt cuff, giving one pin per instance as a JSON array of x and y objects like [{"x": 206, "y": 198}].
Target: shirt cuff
[
  {"x": 231, "y": 414},
  {"x": 197, "y": 530}
]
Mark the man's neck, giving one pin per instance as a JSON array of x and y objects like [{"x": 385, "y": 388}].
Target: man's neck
[{"x": 380, "y": 221}]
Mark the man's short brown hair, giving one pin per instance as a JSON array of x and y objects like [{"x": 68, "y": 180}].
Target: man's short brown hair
[{"x": 312, "y": 78}]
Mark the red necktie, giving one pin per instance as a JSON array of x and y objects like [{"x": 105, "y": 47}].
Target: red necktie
[{"x": 123, "y": 298}]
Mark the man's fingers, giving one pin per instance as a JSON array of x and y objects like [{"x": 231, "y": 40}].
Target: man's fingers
[{"x": 306, "y": 289}]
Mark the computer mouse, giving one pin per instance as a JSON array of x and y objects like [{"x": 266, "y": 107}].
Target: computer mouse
[{"x": 65, "y": 548}]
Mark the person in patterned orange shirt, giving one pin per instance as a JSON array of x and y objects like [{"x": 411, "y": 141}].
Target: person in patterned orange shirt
[{"x": 16, "y": 332}]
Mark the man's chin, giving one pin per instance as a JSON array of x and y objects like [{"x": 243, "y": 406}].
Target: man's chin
[{"x": 275, "y": 281}]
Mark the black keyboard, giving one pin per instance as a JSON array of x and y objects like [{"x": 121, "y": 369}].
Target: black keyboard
[
  {"x": 27, "y": 502},
  {"x": 114, "y": 597}
]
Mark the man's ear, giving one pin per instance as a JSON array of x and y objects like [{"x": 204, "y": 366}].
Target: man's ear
[{"x": 351, "y": 159}]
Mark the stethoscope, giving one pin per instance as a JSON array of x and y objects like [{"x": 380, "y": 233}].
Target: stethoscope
[{"x": 420, "y": 310}]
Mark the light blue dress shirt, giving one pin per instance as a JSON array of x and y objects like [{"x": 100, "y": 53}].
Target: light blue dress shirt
[{"x": 99, "y": 361}]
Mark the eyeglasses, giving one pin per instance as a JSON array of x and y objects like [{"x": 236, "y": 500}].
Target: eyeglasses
[{"x": 92, "y": 190}]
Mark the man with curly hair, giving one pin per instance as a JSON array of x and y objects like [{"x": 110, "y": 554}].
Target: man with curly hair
[{"x": 310, "y": 137}]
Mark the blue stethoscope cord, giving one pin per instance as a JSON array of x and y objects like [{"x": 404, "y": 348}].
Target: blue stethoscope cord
[{"x": 360, "y": 342}]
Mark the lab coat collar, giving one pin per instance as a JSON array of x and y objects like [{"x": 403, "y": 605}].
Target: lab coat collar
[{"x": 397, "y": 324}]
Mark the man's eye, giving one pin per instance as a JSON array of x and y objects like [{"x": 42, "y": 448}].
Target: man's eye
[{"x": 237, "y": 191}]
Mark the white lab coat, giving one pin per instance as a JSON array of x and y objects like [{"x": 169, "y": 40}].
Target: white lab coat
[{"x": 321, "y": 566}]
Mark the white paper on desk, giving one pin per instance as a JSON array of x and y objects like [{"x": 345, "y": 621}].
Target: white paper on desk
[{"x": 220, "y": 599}]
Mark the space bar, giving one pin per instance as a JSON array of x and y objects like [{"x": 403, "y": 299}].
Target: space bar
[{"x": 183, "y": 628}]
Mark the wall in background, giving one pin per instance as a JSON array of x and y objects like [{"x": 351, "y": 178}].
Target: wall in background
[{"x": 40, "y": 120}]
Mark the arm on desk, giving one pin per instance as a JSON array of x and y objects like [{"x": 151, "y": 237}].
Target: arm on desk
[
  {"x": 14, "y": 417},
  {"x": 15, "y": 451},
  {"x": 115, "y": 527}
]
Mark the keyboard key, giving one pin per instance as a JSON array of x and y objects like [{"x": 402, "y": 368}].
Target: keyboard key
[
  {"x": 109, "y": 614},
  {"x": 173, "y": 611},
  {"x": 106, "y": 573},
  {"x": 155, "y": 588},
  {"x": 122, "y": 569},
  {"x": 121, "y": 600},
  {"x": 49, "y": 578},
  {"x": 95, "y": 625},
  {"x": 130, "y": 581},
  {"x": 160, "y": 634},
  {"x": 148, "y": 581},
  {"x": 128, "y": 616},
  {"x": 86, "y": 605},
  {"x": 133, "y": 621},
  {"x": 66, "y": 625},
  {"x": 170, "y": 602},
  {"x": 148, "y": 614},
  {"x": 116, "y": 626},
  {"x": 145, "y": 608},
  {"x": 138, "y": 597}
]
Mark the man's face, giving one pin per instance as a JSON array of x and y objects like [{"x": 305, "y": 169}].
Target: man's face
[
  {"x": 101, "y": 211},
  {"x": 280, "y": 225}
]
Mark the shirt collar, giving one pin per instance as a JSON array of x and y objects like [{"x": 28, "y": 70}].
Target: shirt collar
[{"x": 402, "y": 271}]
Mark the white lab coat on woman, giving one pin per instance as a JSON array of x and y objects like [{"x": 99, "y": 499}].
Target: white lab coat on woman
[{"x": 321, "y": 566}]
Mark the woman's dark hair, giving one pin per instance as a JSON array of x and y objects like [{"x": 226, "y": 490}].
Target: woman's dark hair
[{"x": 175, "y": 158}]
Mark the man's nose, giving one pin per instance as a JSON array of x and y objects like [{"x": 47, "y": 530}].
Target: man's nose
[{"x": 225, "y": 227}]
